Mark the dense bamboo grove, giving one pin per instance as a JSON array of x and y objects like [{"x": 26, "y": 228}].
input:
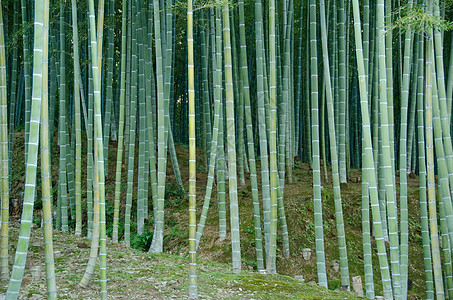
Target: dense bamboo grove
[{"x": 257, "y": 86}]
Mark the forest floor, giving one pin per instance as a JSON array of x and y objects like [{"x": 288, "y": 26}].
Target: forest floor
[
  {"x": 133, "y": 274},
  {"x": 136, "y": 274}
]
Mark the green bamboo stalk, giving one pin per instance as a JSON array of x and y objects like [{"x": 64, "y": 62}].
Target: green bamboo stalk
[
  {"x": 404, "y": 229},
  {"x": 220, "y": 138},
  {"x": 299, "y": 86},
  {"x": 100, "y": 34},
  {"x": 444, "y": 190},
  {"x": 412, "y": 110},
  {"x": 99, "y": 173},
  {"x": 334, "y": 157},
  {"x": 27, "y": 72},
  {"x": 319, "y": 232},
  {"x": 448, "y": 280},
  {"x": 193, "y": 294},
  {"x": 90, "y": 159},
  {"x": 109, "y": 83},
  {"x": 389, "y": 74},
  {"x": 132, "y": 125},
  {"x": 62, "y": 130},
  {"x": 444, "y": 120},
  {"x": 234, "y": 207},
  {"x": 70, "y": 155},
  {"x": 343, "y": 87},
  {"x": 239, "y": 107},
  {"x": 368, "y": 147},
  {"x": 78, "y": 125},
  {"x": 221, "y": 196},
  {"x": 274, "y": 184},
  {"x": 323, "y": 130},
  {"x": 174, "y": 160},
  {"x": 157, "y": 243},
  {"x": 450, "y": 79},
  {"x": 440, "y": 68},
  {"x": 377, "y": 144},
  {"x": 438, "y": 282},
  {"x": 144, "y": 159},
  {"x": 4, "y": 244},
  {"x": 40, "y": 36},
  {"x": 205, "y": 88},
  {"x": 422, "y": 174},
  {"x": 94, "y": 249},
  {"x": 119, "y": 156},
  {"x": 150, "y": 107},
  {"x": 168, "y": 94},
  {"x": 290, "y": 125},
  {"x": 250, "y": 143},
  {"x": 334, "y": 67},
  {"x": 366, "y": 229},
  {"x": 386, "y": 121},
  {"x": 141, "y": 197},
  {"x": 307, "y": 101},
  {"x": 46, "y": 171},
  {"x": 200, "y": 134},
  {"x": 128, "y": 79},
  {"x": 284, "y": 116},
  {"x": 213, "y": 152},
  {"x": 14, "y": 92},
  {"x": 146, "y": 181},
  {"x": 262, "y": 128}
]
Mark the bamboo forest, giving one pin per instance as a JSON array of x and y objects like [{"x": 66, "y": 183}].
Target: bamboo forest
[{"x": 266, "y": 149}]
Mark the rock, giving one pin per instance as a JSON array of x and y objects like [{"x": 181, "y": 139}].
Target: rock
[
  {"x": 344, "y": 288},
  {"x": 36, "y": 273},
  {"x": 336, "y": 265},
  {"x": 15, "y": 207},
  {"x": 164, "y": 283},
  {"x": 357, "y": 285},
  {"x": 312, "y": 282},
  {"x": 299, "y": 277},
  {"x": 306, "y": 253},
  {"x": 36, "y": 244},
  {"x": 82, "y": 245}
]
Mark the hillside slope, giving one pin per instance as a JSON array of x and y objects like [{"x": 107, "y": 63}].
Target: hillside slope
[
  {"x": 299, "y": 213},
  {"x": 133, "y": 274}
]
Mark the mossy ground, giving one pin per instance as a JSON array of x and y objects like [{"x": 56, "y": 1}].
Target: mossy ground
[
  {"x": 130, "y": 271},
  {"x": 134, "y": 274}
]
